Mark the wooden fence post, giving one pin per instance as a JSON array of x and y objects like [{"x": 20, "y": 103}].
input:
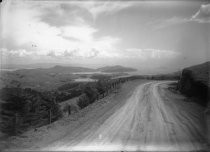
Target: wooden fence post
[
  {"x": 69, "y": 110},
  {"x": 15, "y": 123},
  {"x": 50, "y": 116}
]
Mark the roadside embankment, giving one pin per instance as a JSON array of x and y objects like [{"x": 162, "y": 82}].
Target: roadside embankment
[{"x": 195, "y": 83}]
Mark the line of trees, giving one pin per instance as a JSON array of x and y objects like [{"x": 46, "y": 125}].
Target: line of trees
[{"x": 96, "y": 90}]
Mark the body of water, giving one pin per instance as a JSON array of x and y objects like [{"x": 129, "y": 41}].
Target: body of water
[
  {"x": 84, "y": 80},
  {"x": 6, "y": 70}
]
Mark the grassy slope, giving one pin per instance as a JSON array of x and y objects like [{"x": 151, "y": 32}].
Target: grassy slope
[{"x": 201, "y": 73}]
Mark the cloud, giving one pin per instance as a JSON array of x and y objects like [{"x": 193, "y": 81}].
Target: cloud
[
  {"x": 203, "y": 14},
  {"x": 16, "y": 53},
  {"x": 146, "y": 54},
  {"x": 60, "y": 14},
  {"x": 81, "y": 33},
  {"x": 96, "y": 8},
  {"x": 64, "y": 13},
  {"x": 25, "y": 29},
  {"x": 161, "y": 24}
]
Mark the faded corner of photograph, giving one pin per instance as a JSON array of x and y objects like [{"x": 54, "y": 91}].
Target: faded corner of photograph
[{"x": 105, "y": 75}]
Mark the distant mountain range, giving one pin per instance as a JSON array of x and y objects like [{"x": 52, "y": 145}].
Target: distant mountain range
[
  {"x": 74, "y": 69},
  {"x": 56, "y": 69}
]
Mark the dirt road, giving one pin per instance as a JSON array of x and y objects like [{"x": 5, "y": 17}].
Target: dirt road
[{"x": 151, "y": 119}]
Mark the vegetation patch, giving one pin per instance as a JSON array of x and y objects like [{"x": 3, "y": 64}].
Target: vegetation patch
[{"x": 24, "y": 108}]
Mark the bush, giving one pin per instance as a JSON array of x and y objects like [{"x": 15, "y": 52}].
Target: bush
[
  {"x": 101, "y": 87},
  {"x": 91, "y": 92},
  {"x": 83, "y": 101}
]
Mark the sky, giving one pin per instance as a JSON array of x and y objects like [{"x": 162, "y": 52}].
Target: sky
[{"x": 153, "y": 35}]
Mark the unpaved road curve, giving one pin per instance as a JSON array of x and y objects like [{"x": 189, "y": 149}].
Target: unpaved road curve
[{"x": 147, "y": 121}]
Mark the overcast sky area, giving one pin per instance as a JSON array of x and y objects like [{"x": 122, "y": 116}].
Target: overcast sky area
[{"x": 153, "y": 35}]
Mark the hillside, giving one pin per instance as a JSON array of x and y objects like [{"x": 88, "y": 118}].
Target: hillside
[
  {"x": 56, "y": 69},
  {"x": 41, "y": 78},
  {"x": 116, "y": 69},
  {"x": 195, "y": 81},
  {"x": 51, "y": 78}
]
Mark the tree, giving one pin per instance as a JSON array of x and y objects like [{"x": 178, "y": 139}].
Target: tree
[
  {"x": 91, "y": 92},
  {"x": 100, "y": 86},
  {"x": 83, "y": 101},
  {"x": 12, "y": 113}
]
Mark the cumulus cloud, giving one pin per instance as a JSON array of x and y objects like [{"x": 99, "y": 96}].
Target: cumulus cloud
[
  {"x": 203, "y": 14},
  {"x": 145, "y": 54},
  {"x": 24, "y": 27},
  {"x": 16, "y": 53}
]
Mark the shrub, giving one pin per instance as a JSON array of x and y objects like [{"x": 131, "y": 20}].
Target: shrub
[
  {"x": 83, "y": 101},
  {"x": 91, "y": 92},
  {"x": 101, "y": 87}
]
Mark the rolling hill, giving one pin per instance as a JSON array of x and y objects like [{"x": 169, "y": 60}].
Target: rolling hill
[
  {"x": 41, "y": 78},
  {"x": 56, "y": 69}
]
